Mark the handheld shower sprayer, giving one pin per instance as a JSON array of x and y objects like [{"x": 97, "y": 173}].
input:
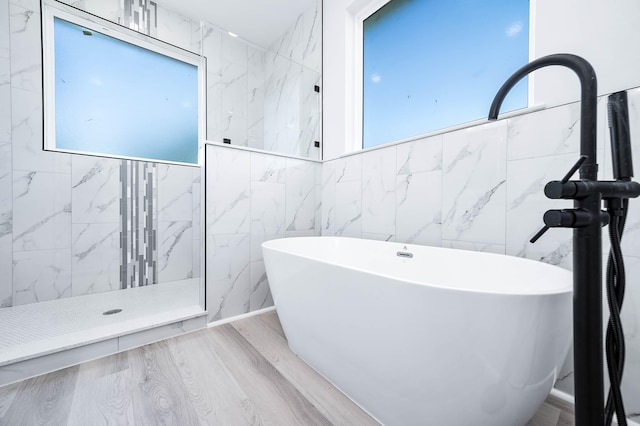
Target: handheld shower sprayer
[{"x": 618, "y": 111}]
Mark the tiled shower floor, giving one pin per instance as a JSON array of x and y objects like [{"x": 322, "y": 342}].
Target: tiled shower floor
[{"x": 37, "y": 329}]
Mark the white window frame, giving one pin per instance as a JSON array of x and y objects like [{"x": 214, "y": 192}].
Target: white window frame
[
  {"x": 53, "y": 9},
  {"x": 357, "y": 12}
]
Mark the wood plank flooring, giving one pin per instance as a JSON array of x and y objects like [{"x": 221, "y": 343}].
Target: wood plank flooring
[{"x": 241, "y": 373}]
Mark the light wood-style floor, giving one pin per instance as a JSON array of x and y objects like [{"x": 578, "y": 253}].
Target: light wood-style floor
[{"x": 233, "y": 374}]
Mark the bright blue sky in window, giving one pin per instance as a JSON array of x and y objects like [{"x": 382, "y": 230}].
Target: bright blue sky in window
[
  {"x": 116, "y": 98},
  {"x": 431, "y": 64}
]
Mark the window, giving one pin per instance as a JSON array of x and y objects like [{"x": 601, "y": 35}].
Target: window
[
  {"x": 112, "y": 92},
  {"x": 429, "y": 64}
]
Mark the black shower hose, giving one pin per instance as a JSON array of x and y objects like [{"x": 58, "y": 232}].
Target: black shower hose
[{"x": 614, "y": 342}]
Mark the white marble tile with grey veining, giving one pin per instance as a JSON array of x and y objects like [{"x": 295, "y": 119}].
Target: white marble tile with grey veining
[
  {"x": 300, "y": 195},
  {"x": 228, "y": 276},
  {"x": 175, "y": 196},
  {"x": 26, "y": 134},
  {"x": 95, "y": 258},
  {"x": 62, "y": 203},
  {"x": 26, "y": 56},
  {"x": 328, "y": 195},
  {"x": 526, "y": 205},
  {"x": 312, "y": 37},
  {"x": 348, "y": 168},
  {"x": 41, "y": 210},
  {"x": 318, "y": 201},
  {"x": 41, "y": 275},
  {"x": 175, "y": 251},
  {"x": 197, "y": 256},
  {"x": 379, "y": 191},
  {"x": 602, "y": 144},
  {"x": 268, "y": 208},
  {"x": 5, "y": 100},
  {"x": 467, "y": 245},
  {"x": 228, "y": 191},
  {"x": 174, "y": 28},
  {"x": 474, "y": 175},
  {"x": 282, "y": 105},
  {"x": 290, "y": 44},
  {"x": 378, "y": 237},
  {"x": 196, "y": 36},
  {"x": 631, "y": 326},
  {"x": 234, "y": 104},
  {"x": 298, "y": 234},
  {"x": 419, "y": 208},
  {"x": 196, "y": 202},
  {"x": 255, "y": 97},
  {"x": 6, "y": 265},
  {"x": 212, "y": 51},
  {"x": 6, "y": 223},
  {"x": 310, "y": 116},
  {"x": 6, "y": 185},
  {"x": 234, "y": 90},
  {"x": 106, "y": 9},
  {"x": 80, "y": 4},
  {"x": 564, "y": 382},
  {"x": 549, "y": 132},
  {"x": 423, "y": 155},
  {"x": 348, "y": 211},
  {"x": 27, "y": 4},
  {"x": 268, "y": 168},
  {"x": 95, "y": 189},
  {"x": 258, "y": 239},
  {"x": 5, "y": 38},
  {"x": 630, "y": 313},
  {"x": 260, "y": 296}
]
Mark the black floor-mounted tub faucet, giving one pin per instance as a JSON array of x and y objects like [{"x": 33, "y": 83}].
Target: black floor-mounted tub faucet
[{"x": 586, "y": 218}]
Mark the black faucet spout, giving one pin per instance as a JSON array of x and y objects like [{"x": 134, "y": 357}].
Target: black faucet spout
[{"x": 589, "y": 93}]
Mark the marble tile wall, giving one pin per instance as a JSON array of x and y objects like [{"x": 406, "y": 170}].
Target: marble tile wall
[
  {"x": 293, "y": 69},
  {"x": 266, "y": 98},
  {"x": 481, "y": 189},
  {"x": 252, "y": 197},
  {"x": 60, "y": 213}
]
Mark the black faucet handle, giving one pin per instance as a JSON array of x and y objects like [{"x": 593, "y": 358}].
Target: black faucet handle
[
  {"x": 564, "y": 180},
  {"x": 568, "y": 218},
  {"x": 539, "y": 234}
]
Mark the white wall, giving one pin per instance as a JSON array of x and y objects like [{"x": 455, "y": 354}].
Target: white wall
[
  {"x": 605, "y": 33},
  {"x": 602, "y": 32}
]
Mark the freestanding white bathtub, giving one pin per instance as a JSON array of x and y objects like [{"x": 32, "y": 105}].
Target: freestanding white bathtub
[{"x": 445, "y": 337}]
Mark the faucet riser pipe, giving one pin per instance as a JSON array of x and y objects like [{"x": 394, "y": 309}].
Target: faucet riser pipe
[{"x": 587, "y": 321}]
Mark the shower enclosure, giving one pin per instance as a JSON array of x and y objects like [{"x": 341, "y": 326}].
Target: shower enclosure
[{"x": 102, "y": 254}]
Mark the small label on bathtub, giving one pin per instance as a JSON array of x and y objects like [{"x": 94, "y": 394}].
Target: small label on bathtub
[{"x": 404, "y": 254}]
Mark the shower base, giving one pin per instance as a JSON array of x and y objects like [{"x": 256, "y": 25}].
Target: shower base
[{"x": 46, "y": 336}]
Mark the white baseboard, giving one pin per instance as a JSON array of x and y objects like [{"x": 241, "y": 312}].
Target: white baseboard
[
  {"x": 571, "y": 400},
  {"x": 563, "y": 396},
  {"x": 239, "y": 317}
]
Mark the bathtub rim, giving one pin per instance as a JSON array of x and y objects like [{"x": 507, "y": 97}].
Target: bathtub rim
[{"x": 568, "y": 288}]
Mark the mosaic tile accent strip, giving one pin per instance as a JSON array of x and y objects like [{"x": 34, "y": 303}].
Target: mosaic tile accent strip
[
  {"x": 138, "y": 224},
  {"x": 139, "y": 15}
]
